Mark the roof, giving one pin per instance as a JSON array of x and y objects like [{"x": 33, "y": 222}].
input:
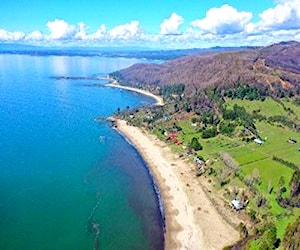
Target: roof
[
  {"x": 258, "y": 141},
  {"x": 237, "y": 204}
]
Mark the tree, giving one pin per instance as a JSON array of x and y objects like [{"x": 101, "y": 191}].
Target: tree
[
  {"x": 230, "y": 163},
  {"x": 194, "y": 120},
  {"x": 209, "y": 132},
  {"x": 255, "y": 175},
  {"x": 243, "y": 230},
  {"x": 291, "y": 238},
  {"x": 227, "y": 128},
  {"x": 270, "y": 187},
  {"x": 281, "y": 188},
  {"x": 195, "y": 144},
  {"x": 269, "y": 238}
]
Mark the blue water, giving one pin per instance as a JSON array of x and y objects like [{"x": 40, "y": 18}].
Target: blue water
[{"x": 61, "y": 187}]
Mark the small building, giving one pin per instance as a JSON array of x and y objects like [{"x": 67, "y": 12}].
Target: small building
[
  {"x": 173, "y": 136},
  {"x": 237, "y": 204},
  {"x": 178, "y": 143},
  {"x": 247, "y": 132},
  {"x": 258, "y": 141},
  {"x": 198, "y": 160}
]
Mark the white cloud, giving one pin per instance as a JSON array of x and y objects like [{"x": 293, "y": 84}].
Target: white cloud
[
  {"x": 223, "y": 20},
  {"x": 100, "y": 33},
  {"x": 126, "y": 31},
  {"x": 60, "y": 29},
  {"x": 11, "y": 36},
  {"x": 81, "y": 33},
  {"x": 34, "y": 36},
  {"x": 171, "y": 26},
  {"x": 224, "y": 26},
  {"x": 285, "y": 15}
]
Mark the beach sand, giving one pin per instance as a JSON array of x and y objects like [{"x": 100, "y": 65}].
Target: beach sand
[
  {"x": 158, "y": 99},
  {"x": 192, "y": 222}
]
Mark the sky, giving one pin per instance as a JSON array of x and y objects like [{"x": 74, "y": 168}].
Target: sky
[{"x": 163, "y": 24}]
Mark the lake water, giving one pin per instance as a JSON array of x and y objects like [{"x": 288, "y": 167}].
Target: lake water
[{"x": 66, "y": 180}]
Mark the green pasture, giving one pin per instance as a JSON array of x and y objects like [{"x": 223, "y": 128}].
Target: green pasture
[
  {"x": 268, "y": 107},
  {"x": 269, "y": 170},
  {"x": 289, "y": 104},
  {"x": 245, "y": 155},
  {"x": 276, "y": 142}
]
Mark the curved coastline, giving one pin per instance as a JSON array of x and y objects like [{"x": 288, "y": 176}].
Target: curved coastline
[
  {"x": 114, "y": 84},
  {"x": 191, "y": 221}
]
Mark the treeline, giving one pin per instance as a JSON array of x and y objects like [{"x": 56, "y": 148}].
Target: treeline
[
  {"x": 176, "y": 89},
  {"x": 247, "y": 92}
]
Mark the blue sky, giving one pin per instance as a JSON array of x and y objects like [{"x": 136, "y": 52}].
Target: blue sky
[{"x": 155, "y": 23}]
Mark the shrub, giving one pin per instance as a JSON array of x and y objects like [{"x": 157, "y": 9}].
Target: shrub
[
  {"x": 209, "y": 132},
  {"x": 195, "y": 144}
]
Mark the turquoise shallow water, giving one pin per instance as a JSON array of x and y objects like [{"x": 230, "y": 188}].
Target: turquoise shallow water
[{"x": 61, "y": 187}]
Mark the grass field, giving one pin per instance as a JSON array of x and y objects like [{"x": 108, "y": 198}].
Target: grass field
[
  {"x": 245, "y": 155},
  {"x": 277, "y": 142},
  {"x": 268, "y": 107},
  {"x": 269, "y": 170}
]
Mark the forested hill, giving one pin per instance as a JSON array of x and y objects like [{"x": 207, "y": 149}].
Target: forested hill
[{"x": 276, "y": 67}]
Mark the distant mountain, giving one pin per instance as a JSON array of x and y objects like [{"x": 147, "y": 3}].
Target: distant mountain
[
  {"x": 275, "y": 67},
  {"x": 127, "y": 52},
  {"x": 285, "y": 56}
]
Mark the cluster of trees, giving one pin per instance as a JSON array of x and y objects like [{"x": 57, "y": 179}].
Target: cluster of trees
[
  {"x": 230, "y": 163},
  {"x": 281, "y": 119},
  {"x": 291, "y": 238},
  {"x": 246, "y": 92},
  {"x": 239, "y": 116},
  {"x": 286, "y": 163},
  {"x": 227, "y": 127},
  {"x": 231, "y": 168},
  {"x": 176, "y": 89},
  {"x": 294, "y": 199},
  {"x": 269, "y": 238},
  {"x": 195, "y": 144},
  {"x": 297, "y": 101},
  {"x": 252, "y": 180},
  {"x": 209, "y": 132}
]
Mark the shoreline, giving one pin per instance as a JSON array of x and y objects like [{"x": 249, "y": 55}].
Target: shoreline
[
  {"x": 180, "y": 229},
  {"x": 159, "y": 100}
]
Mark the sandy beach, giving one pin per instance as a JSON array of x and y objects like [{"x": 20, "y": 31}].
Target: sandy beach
[
  {"x": 158, "y": 99},
  {"x": 191, "y": 220}
]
